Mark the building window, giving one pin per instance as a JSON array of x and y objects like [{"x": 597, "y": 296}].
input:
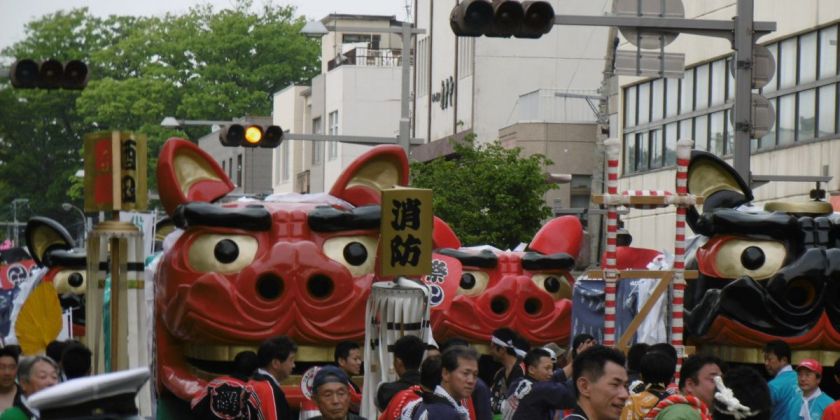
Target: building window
[
  {"x": 423, "y": 67},
  {"x": 332, "y": 147},
  {"x": 787, "y": 63},
  {"x": 827, "y": 110},
  {"x": 239, "y": 180},
  {"x": 630, "y": 106},
  {"x": 828, "y": 52},
  {"x": 806, "y": 118},
  {"x": 286, "y": 159},
  {"x": 655, "y": 109},
  {"x": 580, "y": 191},
  {"x": 317, "y": 146},
  {"x": 465, "y": 55},
  {"x": 371, "y": 40},
  {"x": 786, "y": 121}
]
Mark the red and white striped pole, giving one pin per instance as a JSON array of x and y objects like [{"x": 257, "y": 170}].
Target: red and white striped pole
[
  {"x": 683, "y": 157},
  {"x": 613, "y": 149}
]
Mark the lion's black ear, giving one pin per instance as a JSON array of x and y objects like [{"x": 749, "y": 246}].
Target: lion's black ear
[
  {"x": 44, "y": 235},
  {"x": 719, "y": 184}
]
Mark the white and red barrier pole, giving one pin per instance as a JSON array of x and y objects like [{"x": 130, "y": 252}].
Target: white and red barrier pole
[
  {"x": 613, "y": 149},
  {"x": 683, "y": 157}
]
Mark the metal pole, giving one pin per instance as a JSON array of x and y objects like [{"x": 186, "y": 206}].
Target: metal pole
[
  {"x": 743, "y": 40},
  {"x": 14, "y": 220},
  {"x": 406, "y": 75}
]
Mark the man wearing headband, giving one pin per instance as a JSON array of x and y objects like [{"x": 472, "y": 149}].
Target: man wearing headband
[
  {"x": 331, "y": 390},
  {"x": 507, "y": 348}
]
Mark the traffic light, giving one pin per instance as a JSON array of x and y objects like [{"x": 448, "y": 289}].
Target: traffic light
[
  {"x": 251, "y": 135},
  {"x": 502, "y": 18},
  {"x": 49, "y": 74}
]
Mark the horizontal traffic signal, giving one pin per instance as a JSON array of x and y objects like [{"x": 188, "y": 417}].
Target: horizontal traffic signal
[
  {"x": 49, "y": 74},
  {"x": 502, "y": 18},
  {"x": 251, "y": 135}
]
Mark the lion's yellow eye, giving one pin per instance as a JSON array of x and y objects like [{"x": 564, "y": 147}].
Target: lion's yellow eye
[
  {"x": 473, "y": 283},
  {"x": 554, "y": 284},
  {"x": 226, "y": 254},
  {"x": 70, "y": 281},
  {"x": 357, "y": 253}
]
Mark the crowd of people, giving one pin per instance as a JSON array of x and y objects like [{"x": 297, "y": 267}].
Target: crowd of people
[
  {"x": 594, "y": 382},
  {"x": 20, "y": 377},
  {"x": 590, "y": 381}
]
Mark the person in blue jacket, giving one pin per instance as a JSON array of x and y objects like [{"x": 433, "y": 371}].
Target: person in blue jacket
[
  {"x": 812, "y": 400},
  {"x": 784, "y": 390},
  {"x": 540, "y": 391}
]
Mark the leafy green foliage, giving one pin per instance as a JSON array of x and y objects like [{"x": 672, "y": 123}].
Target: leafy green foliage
[
  {"x": 488, "y": 194},
  {"x": 204, "y": 64}
]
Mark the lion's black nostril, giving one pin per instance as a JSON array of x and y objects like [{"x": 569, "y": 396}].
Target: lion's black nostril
[
  {"x": 499, "y": 305},
  {"x": 801, "y": 293},
  {"x": 269, "y": 286},
  {"x": 75, "y": 280},
  {"x": 532, "y": 306},
  {"x": 320, "y": 286}
]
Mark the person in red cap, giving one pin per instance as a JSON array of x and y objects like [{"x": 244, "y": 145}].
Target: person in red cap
[
  {"x": 833, "y": 410},
  {"x": 814, "y": 401}
]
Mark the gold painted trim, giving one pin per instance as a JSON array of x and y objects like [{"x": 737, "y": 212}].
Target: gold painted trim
[
  {"x": 707, "y": 177},
  {"x": 756, "y": 354},
  {"x": 131, "y": 284},
  {"x": 799, "y": 207}
]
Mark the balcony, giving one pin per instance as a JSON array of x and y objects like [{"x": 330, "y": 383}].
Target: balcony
[{"x": 363, "y": 56}]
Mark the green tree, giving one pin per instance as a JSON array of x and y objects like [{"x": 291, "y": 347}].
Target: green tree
[
  {"x": 204, "y": 64},
  {"x": 488, "y": 194}
]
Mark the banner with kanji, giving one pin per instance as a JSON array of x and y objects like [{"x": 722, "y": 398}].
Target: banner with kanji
[{"x": 406, "y": 232}]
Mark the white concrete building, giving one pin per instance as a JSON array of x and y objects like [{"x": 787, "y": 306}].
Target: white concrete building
[
  {"x": 481, "y": 85},
  {"x": 357, "y": 93},
  {"x": 651, "y": 114}
]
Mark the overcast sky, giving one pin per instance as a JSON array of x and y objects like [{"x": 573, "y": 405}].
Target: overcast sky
[{"x": 15, "y": 13}]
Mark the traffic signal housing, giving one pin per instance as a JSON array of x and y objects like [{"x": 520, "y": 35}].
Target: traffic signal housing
[
  {"x": 502, "y": 18},
  {"x": 251, "y": 135},
  {"x": 49, "y": 74}
]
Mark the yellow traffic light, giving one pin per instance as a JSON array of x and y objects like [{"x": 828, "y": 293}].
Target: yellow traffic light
[{"x": 253, "y": 134}]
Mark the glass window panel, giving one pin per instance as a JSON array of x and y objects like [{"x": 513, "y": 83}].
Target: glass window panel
[
  {"x": 787, "y": 119},
  {"x": 630, "y": 107},
  {"x": 656, "y": 145},
  {"x": 686, "y": 130},
  {"x": 629, "y": 153},
  {"x": 806, "y": 120},
  {"x": 808, "y": 57},
  {"x": 702, "y": 87},
  {"x": 716, "y": 134},
  {"x": 672, "y": 104},
  {"x": 671, "y": 144},
  {"x": 687, "y": 92},
  {"x": 719, "y": 72},
  {"x": 730, "y": 135},
  {"x": 642, "y": 151},
  {"x": 701, "y": 133},
  {"x": 730, "y": 80},
  {"x": 827, "y": 110},
  {"x": 644, "y": 103},
  {"x": 771, "y": 86},
  {"x": 828, "y": 51},
  {"x": 769, "y": 139},
  {"x": 657, "y": 100},
  {"x": 787, "y": 67}
]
